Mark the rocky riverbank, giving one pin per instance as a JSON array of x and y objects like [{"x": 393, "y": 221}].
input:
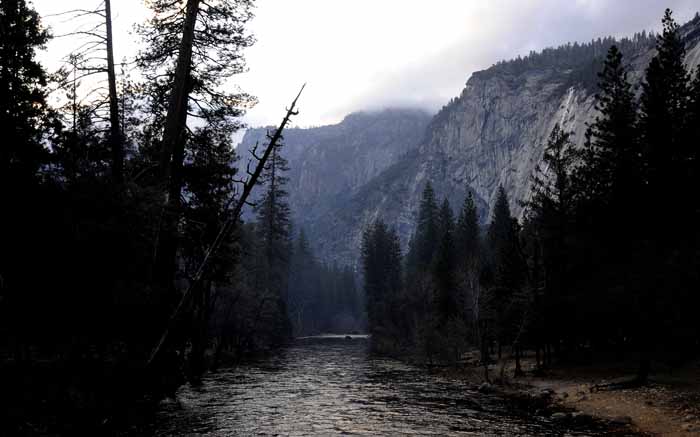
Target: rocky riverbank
[{"x": 669, "y": 405}]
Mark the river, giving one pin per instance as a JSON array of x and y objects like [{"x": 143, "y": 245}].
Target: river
[{"x": 334, "y": 386}]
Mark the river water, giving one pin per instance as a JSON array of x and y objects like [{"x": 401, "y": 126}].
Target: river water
[{"x": 334, "y": 386}]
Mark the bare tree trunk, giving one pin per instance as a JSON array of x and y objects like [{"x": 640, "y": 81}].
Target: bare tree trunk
[
  {"x": 177, "y": 106},
  {"x": 115, "y": 136}
]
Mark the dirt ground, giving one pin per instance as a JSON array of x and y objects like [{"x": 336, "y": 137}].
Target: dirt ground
[{"x": 668, "y": 406}]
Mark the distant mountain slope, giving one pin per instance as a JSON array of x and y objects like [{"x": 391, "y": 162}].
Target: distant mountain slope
[
  {"x": 329, "y": 164},
  {"x": 492, "y": 134}
]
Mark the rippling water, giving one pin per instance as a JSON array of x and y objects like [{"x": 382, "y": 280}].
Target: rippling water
[{"x": 333, "y": 386}]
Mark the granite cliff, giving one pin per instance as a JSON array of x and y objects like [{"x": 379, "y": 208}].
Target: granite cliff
[{"x": 492, "y": 134}]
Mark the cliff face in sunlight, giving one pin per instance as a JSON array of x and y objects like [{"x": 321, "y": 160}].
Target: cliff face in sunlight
[{"x": 492, "y": 134}]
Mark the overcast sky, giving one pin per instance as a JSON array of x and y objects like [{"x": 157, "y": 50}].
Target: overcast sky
[{"x": 370, "y": 54}]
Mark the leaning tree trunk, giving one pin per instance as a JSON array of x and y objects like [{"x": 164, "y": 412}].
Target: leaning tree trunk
[
  {"x": 172, "y": 155},
  {"x": 177, "y": 106},
  {"x": 226, "y": 229}
]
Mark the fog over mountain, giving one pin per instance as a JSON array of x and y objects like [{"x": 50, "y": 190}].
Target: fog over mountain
[
  {"x": 492, "y": 134},
  {"x": 360, "y": 55}
]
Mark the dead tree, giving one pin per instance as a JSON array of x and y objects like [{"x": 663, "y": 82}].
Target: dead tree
[
  {"x": 96, "y": 56},
  {"x": 248, "y": 184},
  {"x": 115, "y": 135}
]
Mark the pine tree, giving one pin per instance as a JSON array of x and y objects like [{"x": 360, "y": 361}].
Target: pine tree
[
  {"x": 508, "y": 267},
  {"x": 27, "y": 230},
  {"x": 500, "y": 232},
  {"x": 273, "y": 232},
  {"x": 609, "y": 212},
  {"x": 444, "y": 265},
  {"x": 79, "y": 153},
  {"x": 692, "y": 138},
  {"x": 208, "y": 180},
  {"x": 381, "y": 262},
  {"x": 692, "y": 254},
  {"x": 22, "y": 92},
  {"x": 553, "y": 186},
  {"x": 550, "y": 215},
  {"x": 467, "y": 231},
  {"x": 303, "y": 287},
  {"x": 664, "y": 105},
  {"x": 192, "y": 49},
  {"x": 664, "y": 109},
  {"x": 209, "y": 183},
  {"x": 611, "y": 154},
  {"x": 426, "y": 235}
]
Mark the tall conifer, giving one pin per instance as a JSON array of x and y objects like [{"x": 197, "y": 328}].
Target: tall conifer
[{"x": 22, "y": 92}]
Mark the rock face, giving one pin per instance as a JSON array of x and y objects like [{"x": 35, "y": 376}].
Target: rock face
[
  {"x": 329, "y": 164},
  {"x": 492, "y": 134}
]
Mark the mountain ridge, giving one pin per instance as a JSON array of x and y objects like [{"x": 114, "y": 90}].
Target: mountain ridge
[{"x": 492, "y": 134}]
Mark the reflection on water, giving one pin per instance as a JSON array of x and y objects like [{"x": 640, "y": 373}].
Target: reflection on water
[{"x": 332, "y": 386}]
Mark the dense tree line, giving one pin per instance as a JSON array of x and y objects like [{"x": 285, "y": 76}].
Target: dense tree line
[
  {"x": 322, "y": 298},
  {"x": 573, "y": 55},
  {"x": 604, "y": 260},
  {"x": 95, "y": 267}
]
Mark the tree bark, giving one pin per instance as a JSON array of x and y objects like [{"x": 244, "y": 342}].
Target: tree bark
[
  {"x": 115, "y": 136},
  {"x": 176, "y": 117},
  {"x": 172, "y": 155}
]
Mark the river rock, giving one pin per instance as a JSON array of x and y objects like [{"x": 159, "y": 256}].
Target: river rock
[
  {"x": 689, "y": 427},
  {"x": 621, "y": 420},
  {"x": 547, "y": 393},
  {"x": 486, "y": 388},
  {"x": 580, "y": 417},
  {"x": 560, "y": 417}
]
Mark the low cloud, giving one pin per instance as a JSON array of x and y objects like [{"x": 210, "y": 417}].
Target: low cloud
[
  {"x": 369, "y": 54},
  {"x": 373, "y": 54}
]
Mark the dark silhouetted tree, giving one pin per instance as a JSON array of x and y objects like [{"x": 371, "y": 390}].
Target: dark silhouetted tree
[
  {"x": 467, "y": 231},
  {"x": 273, "y": 229},
  {"x": 425, "y": 239},
  {"x": 381, "y": 262},
  {"x": 443, "y": 266},
  {"x": 22, "y": 92},
  {"x": 192, "y": 49}
]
